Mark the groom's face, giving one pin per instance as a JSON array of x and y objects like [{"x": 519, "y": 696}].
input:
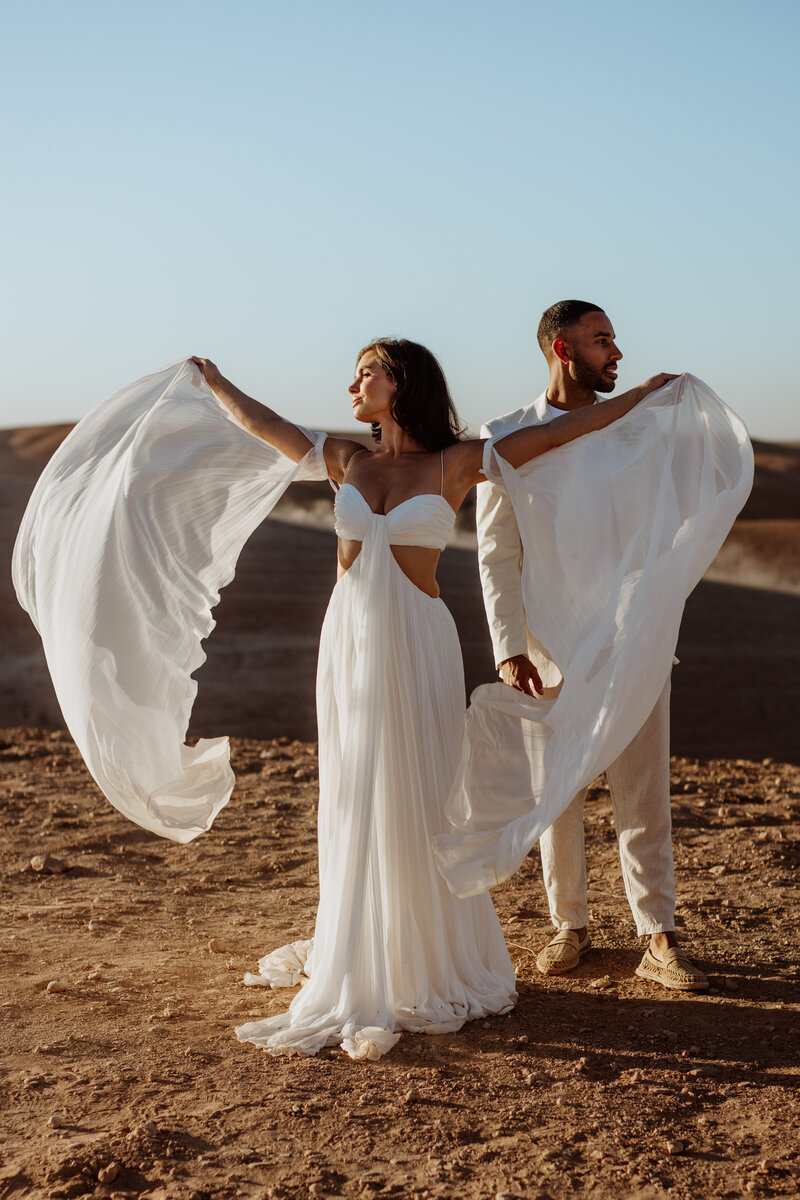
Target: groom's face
[{"x": 593, "y": 353}]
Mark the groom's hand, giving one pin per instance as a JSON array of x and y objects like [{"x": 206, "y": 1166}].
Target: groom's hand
[{"x": 520, "y": 673}]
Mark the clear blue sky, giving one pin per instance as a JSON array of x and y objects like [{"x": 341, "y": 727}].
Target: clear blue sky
[{"x": 272, "y": 184}]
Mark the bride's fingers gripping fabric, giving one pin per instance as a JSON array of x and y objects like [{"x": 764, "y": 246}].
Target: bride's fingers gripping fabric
[
  {"x": 208, "y": 369},
  {"x": 657, "y": 381}
]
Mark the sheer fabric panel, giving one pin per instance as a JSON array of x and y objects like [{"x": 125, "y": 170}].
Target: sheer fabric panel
[{"x": 134, "y": 526}]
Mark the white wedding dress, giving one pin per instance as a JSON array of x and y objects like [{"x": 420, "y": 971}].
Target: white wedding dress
[
  {"x": 393, "y": 949},
  {"x": 134, "y": 526}
]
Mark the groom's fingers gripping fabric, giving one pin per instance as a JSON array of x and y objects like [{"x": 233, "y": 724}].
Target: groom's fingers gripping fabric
[{"x": 520, "y": 673}]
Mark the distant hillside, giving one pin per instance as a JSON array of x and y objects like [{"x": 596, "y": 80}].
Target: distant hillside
[{"x": 734, "y": 695}]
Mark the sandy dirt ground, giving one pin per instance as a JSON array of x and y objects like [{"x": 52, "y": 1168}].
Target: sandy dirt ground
[
  {"x": 124, "y": 983},
  {"x": 123, "y": 955}
]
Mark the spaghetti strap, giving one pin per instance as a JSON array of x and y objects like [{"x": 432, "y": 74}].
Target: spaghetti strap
[
  {"x": 363, "y": 450},
  {"x": 333, "y": 482},
  {"x": 441, "y": 485}
]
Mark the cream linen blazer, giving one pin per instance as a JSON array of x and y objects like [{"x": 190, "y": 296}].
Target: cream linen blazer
[{"x": 500, "y": 556}]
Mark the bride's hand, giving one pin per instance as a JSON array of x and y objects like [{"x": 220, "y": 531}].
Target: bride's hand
[
  {"x": 654, "y": 383},
  {"x": 209, "y": 371}
]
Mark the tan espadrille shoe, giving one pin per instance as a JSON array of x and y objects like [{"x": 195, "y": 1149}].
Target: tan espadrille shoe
[
  {"x": 676, "y": 971},
  {"x": 562, "y": 953}
]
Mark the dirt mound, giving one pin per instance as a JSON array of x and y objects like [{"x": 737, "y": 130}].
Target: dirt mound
[
  {"x": 776, "y": 488},
  {"x": 735, "y": 692}
]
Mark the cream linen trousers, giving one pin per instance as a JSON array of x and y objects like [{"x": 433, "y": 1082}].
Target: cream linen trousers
[{"x": 639, "y": 784}]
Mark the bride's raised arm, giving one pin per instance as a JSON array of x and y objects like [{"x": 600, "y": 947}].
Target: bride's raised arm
[
  {"x": 265, "y": 423},
  {"x": 524, "y": 444}
]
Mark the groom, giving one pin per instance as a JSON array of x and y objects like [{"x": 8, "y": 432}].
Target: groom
[{"x": 577, "y": 340}]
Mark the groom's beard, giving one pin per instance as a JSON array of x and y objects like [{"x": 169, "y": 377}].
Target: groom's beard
[{"x": 591, "y": 376}]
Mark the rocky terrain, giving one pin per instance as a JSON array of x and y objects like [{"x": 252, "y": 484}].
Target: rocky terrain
[{"x": 123, "y": 958}]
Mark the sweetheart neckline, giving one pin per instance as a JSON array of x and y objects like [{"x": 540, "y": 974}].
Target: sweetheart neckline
[{"x": 418, "y": 496}]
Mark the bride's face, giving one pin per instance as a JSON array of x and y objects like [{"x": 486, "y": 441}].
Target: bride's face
[{"x": 372, "y": 389}]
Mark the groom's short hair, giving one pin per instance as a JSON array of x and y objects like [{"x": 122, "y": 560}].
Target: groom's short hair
[{"x": 558, "y": 318}]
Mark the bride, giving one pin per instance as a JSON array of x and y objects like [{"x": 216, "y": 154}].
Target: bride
[{"x": 393, "y": 949}]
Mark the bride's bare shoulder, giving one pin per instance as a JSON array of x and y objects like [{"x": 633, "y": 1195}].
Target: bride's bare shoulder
[
  {"x": 338, "y": 452},
  {"x": 463, "y": 458},
  {"x": 464, "y": 449}
]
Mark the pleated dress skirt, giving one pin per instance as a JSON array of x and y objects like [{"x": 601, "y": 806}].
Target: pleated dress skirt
[{"x": 393, "y": 950}]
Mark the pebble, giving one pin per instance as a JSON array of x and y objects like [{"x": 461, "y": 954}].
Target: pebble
[
  {"x": 48, "y": 864},
  {"x": 767, "y": 1164},
  {"x": 146, "y": 1129},
  {"x": 676, "y": 1147},
  {"x": 56, "y": 1122},
  {"x": 411, "y": 1095},
  {"x": 55, "y": 985},
  {"x": 604, "y": 982},
  {"x": 217, "y": 946},
  {"x": 108, "y": 1174},
  {"x": 537, "y": 1077}
]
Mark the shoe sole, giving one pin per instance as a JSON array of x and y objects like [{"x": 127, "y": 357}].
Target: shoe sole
[{"x": 643, "y": 973}]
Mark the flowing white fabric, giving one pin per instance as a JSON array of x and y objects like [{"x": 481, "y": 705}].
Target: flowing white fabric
[
  {"x": 284, "y": 967},
  {"x": 393, "y": 949},
  {"x": 134, "y": 526},
  {"x": 617, "y": 528}
]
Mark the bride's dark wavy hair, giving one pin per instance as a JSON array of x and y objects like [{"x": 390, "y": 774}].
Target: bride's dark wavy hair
[{"x": 422, "y": 404}]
